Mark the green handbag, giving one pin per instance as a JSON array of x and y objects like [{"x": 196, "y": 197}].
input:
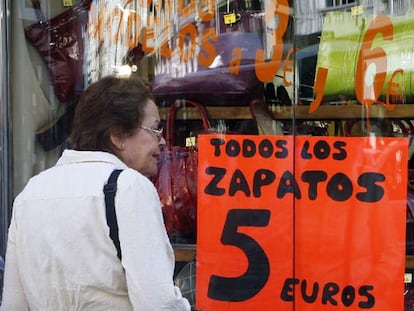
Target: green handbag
[{"x": 341, "y": 41}]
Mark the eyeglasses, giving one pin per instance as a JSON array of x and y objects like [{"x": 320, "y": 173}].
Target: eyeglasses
[{"x": 157, "y": 133}]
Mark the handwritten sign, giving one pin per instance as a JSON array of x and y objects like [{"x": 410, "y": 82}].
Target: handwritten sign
[{"x": 317, "y": 223}]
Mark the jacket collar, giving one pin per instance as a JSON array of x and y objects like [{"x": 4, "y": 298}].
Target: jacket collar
[{"x": 74, "y": 156}]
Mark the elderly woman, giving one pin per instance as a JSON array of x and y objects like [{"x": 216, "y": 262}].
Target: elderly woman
[{"x": 60, "y": 255}]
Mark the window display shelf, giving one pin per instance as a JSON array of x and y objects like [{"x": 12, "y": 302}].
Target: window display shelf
[
  {"x": 324, "y": 112},
  {"x": 186, "y": 252},
  {"x": 409, "y": 262}
]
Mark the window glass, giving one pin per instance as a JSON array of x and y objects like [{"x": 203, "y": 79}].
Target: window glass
[
  {"x": 321, "y": 71},
  {"x": 5, "y": 168}
]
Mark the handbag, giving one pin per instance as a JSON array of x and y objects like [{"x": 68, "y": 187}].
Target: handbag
[
  {"x": 218, "y": 84},
  {"x": 341, "y": 40},
  {"x": 176, "y": 181},
  {"x": 60, "y": 44}
]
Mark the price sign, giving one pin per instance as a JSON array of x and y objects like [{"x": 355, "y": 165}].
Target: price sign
[
  {"x": 67, "y": 3},
  {"x": 230, "y": 18},
  {"x": 304, "y": 223}
]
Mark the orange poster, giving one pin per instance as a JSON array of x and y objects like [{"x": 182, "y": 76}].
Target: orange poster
[{"x": 301, "y": 223}]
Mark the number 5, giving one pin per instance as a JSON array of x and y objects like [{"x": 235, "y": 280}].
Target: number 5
[{"x": 253, "y": 280}]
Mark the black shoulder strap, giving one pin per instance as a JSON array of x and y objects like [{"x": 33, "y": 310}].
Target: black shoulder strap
[{"x": 110, "y": 191}]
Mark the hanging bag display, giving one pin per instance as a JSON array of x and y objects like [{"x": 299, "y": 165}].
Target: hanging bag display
[
  {"x": 341, "y": 41},
  {"x": 224, "y": 82},
  {"x": 177, "y": 179},
  {"x": 60, "y": 44}
]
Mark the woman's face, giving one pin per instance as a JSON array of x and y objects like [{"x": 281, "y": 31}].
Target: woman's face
[{"x": 141, "y": 150}]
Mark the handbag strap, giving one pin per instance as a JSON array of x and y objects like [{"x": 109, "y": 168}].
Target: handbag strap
[
  {"x": 110, "y": 191},
  {"x": 263, "y": 117},
  {"x": 41, "y": 18},
  {"x": 38, "y": 11},
  {"x": 169, "y": 135}
]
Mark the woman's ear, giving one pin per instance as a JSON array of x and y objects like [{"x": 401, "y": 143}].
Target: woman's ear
[{"x": 117, "y": 141}]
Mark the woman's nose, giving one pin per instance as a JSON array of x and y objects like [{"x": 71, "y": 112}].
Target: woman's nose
[{"x": 162, "y": 141}]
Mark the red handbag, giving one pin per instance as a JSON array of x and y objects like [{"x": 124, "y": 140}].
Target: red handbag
[
  {"x": 60, "y": 44},
  {"x": 177, "y": 180}
]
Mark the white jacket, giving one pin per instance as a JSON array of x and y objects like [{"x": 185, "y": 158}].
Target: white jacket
[{"x": 59, "y": 253}]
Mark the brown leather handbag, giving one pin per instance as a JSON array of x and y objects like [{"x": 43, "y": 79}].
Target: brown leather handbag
[{"x": 59, "y": 41}]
